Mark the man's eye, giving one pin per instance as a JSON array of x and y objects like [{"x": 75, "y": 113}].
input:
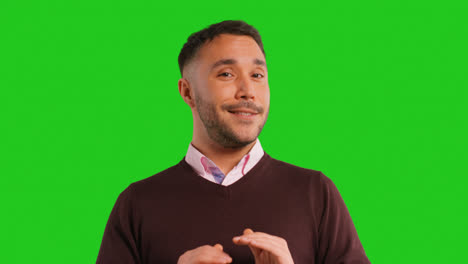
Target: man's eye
[
  {"x": 225, "y": 74},
  {"x": 257, "y": 75}
]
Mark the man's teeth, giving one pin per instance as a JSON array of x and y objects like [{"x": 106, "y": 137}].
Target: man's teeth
[{"x": 243, "y": 113}]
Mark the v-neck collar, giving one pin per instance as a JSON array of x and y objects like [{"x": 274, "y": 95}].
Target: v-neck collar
[{"x": 207, "y": 185}]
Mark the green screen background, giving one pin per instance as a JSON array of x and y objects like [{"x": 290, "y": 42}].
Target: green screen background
[{"x": 372, "y": 93}]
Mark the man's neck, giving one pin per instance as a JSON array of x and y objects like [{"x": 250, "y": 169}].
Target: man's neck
[{"x": 225, "y": 158}]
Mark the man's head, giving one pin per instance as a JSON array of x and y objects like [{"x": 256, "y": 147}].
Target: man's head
[{"x": 225, "y": 83}]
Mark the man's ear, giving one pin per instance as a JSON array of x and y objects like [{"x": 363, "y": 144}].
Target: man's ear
[{"x": 186, "y": 91}]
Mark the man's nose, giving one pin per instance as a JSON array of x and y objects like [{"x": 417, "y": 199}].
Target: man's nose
[{"x": 246, "y": 88}]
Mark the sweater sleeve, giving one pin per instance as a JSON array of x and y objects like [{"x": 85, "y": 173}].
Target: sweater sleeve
[
  {"x": 338, "y": 239},
  {"x": 119, "y": 243}
]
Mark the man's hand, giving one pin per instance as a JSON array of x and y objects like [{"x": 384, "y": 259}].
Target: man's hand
[
  {"x": 205, "y": 254},
  {"x": 267, "y": 249}
]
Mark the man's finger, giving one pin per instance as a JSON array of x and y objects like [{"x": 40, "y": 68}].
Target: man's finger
[
  {"x": 248, "y": 231},
  {"x": 267, "y": 245},
  {"x": 248, "y": 239},
  {"x": 219, "y": 246},
  {"x": 257, "y": 234}
]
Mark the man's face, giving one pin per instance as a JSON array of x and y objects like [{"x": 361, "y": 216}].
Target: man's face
[{"x": 231, "y": 91}]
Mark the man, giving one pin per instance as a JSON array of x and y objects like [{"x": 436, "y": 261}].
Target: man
[{"x": 227, "y": 200}]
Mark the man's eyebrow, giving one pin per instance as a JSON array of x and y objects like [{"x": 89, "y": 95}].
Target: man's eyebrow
[
  {"x": 259, "y": 62},
  {"x": 223, "y": 62},
  {"x": 233, "y": 61}
]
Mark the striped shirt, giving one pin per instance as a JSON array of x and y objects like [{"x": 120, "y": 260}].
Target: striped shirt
[{"x": 207, "y": 169}]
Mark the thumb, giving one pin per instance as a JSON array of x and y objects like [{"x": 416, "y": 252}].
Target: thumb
[
  {"x": 255, "y": 251},
  {"x": 248, "y": 231},
  {"x": 219, "y": 246}
]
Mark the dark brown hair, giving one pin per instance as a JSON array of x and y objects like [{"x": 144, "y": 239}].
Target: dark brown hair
[{"x": 197, "y": 39}]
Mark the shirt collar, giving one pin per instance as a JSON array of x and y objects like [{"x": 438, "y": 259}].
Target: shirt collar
[{"x": 200, "y": 162}]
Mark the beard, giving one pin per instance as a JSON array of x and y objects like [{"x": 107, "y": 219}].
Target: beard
[{"x": 219, "y": 130}]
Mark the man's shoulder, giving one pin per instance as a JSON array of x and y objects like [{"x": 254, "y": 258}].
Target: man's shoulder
[
  {"x": 291, "y": 170},
  {"x": 286, "y": 166},
  {"x": 162, "y": 179}
]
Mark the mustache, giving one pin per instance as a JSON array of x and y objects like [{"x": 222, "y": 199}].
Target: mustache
[{"x": 244, "y": 104}]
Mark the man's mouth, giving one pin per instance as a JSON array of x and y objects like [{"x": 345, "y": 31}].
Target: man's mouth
[
  {"x": 244, "y": 114},
  {"x": 243, "y": 111}
]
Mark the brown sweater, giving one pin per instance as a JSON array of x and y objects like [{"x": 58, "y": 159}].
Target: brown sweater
[{"x": 157, "y": 219}]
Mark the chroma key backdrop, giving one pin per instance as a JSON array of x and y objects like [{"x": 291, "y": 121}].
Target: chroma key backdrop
[{"x": 372, "y": 93}]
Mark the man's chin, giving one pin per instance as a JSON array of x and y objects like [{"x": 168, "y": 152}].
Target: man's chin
[
  {"x": 234, "y": 136},
  {"x": 240, "y": 142}
]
